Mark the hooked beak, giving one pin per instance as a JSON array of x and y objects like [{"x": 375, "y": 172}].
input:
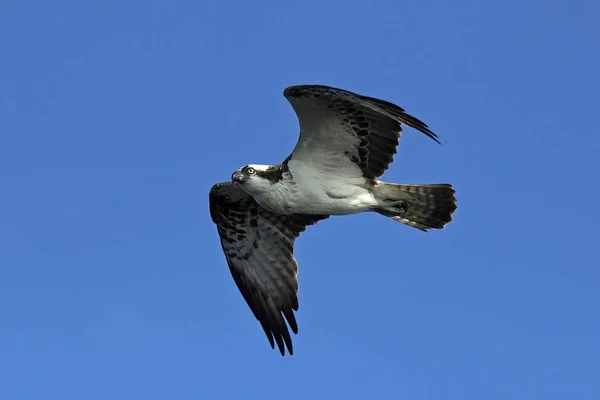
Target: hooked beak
[{"x": 237, "y": 177}]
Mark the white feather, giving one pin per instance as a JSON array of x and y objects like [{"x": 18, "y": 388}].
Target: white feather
[{"x": 312, "y": 191}]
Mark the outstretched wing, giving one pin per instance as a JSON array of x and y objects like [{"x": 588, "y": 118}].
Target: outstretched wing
[
  {"x": 259, "y": 248},
  {"x": 346, "y": 133}
]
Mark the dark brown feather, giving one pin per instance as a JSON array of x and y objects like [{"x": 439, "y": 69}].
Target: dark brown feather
[
  {"x": 273, "y": 173},
  {"x": 246, "y": 230}
]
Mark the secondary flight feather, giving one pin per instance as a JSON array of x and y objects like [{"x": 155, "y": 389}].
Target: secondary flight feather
[{"x": 346, "y": 142}]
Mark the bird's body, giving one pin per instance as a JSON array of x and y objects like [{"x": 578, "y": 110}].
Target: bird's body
[
  {"x": 304, "y": 190},
  {"x": 346, "y": 142}
]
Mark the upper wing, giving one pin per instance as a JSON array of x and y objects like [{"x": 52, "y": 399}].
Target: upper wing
[
  {"x": 346, "y": 132},
  {"x": 259, "y": 248}
]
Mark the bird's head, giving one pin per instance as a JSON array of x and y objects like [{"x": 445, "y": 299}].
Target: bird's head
[{"x": 256, "y": 177}]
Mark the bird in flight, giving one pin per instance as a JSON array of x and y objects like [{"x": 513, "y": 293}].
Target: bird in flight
[{"x": 346, "y": 142}]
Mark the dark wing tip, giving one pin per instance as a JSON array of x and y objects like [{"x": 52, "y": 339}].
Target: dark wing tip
[
  {"x": 419, "y": 125},
  {"x": 291, "y": 319},
  {"x": 276, "y": 328},
  {"x": 269, "y": 316},
  {"x": 403, "y": 116}
]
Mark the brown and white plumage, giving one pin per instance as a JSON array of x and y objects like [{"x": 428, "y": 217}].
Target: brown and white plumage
[
  {"x": 346, "y": 142},
  {"x": 259, "y": 248},
  {"x": 338, "y": 126}
]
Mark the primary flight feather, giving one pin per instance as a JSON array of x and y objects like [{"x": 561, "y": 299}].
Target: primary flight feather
[{"x": 346, "y": 142}]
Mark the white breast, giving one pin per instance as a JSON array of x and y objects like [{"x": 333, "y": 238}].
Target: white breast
[{"x": 316, "y": 192}]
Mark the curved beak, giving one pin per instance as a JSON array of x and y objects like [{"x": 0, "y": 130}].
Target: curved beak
[{"x": 237, "y": 177}]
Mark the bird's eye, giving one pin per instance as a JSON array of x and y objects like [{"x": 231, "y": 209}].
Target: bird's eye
[{"x": 250, "y": 171}]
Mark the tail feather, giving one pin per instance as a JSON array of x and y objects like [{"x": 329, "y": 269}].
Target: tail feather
[{"x": 420, "y": 206}]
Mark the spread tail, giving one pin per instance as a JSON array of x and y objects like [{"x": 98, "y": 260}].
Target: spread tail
[{"x": 420, "y": 206}]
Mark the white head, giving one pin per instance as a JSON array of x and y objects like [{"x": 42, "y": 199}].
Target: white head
[{"x": 257, "y": 178}]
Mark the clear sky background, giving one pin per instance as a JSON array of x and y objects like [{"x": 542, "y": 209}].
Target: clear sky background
[{"x": 116, "y": 118}]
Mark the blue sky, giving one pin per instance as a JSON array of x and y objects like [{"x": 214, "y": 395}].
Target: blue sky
[{"x": 116, "y": 118}]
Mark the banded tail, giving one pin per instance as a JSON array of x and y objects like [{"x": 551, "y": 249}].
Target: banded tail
[{"x": 420, "y": 206}]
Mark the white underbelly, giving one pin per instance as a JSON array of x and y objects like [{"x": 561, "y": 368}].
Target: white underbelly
[
  {"x": 335, "y": 206},
  {"x": 313, "y": 191},
  {"x": 326, "y": 196}
]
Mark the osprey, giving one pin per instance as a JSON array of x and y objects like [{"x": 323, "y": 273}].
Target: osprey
[{"x": 346, "y": 142}]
